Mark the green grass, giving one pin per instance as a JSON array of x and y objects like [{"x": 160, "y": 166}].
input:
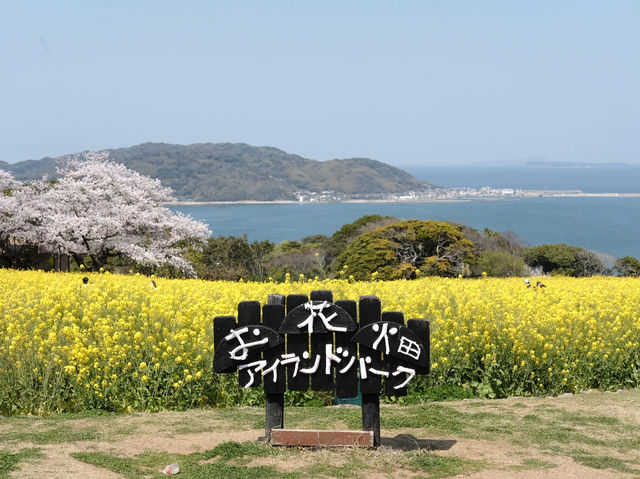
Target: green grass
[
  {"x": 531, "y": 463},
  {"x": 54, "y": 435},
  {"x": 9, "y": 461},
  {"x": 442, "y": 466},
  {"x": 110, "y": 427},
  {"x": 322, "y": 418},
  {"x": 232, "y": 460},
  {"x": 227, "y": 460},
  {"x": 607, "y": 462},
  {"x": 117, "y": 464},
  {"x": 191, "y": 466}
]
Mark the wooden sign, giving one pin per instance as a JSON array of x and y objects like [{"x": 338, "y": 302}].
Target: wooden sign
[{"x": 302, "y": 342}]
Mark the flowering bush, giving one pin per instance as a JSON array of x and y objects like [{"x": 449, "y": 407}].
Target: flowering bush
[{"x": 119, "y": 343}]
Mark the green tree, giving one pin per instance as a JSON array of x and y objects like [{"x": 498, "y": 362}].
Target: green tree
[
  {"x": 561, "y": 259},
  {"x": 232, "y": 258},
  {"x": 627, "y": 266},
  {"x": 348, "y": 233},
  {"x": 499, "y": 264},
  {"x": 498, "y": 254},
  {"x": 401, "y": 249},
  {"x": 305, "y": 257}
]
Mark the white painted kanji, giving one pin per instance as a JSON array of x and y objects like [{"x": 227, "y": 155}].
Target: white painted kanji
[
  {"x": 408, "y": 347},
  {"x": 317, "y": 311}
]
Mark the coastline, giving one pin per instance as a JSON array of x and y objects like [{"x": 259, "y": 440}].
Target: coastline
[
  {"x": 244, "y": 202},
  {"x": 284, "y": 202},
  {"x": 576, "y": 194},
  {"x": 525, "y": 194}
]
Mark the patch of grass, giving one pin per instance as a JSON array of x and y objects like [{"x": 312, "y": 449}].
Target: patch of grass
[
  {"x": 323, "y": 418},
  {"x": 61, "y": 428},
  {"x": 439, "y": 418},
  {"x": 196, "y": 465},
  {"x": 531, "y": 463},
  {"x": 9, "y": 460},
  {"x": 443, "y": 466},
  {"x": 432, "y": 416},
  {"x": 124, "y": 466},
  {"x": 106, "y": 426},
  {"x": 476, "y": 404},
  {"x": 605, "y": 462},
  {"x": 496, "y": 428},
  {"x": 578, "y": 418},
  {"x": 123, "y": 431},
  {"x": 443, "y": 392},
  {"x": 151, "y": 466},
  {"x": 627, "y": 443},
  {"x": 232, "y": 450},
  {"x": 240, "y": 416},
  {"x": 532, "y": 418},
  {"x": 551, "y": 427},
  {"x": 88, "y": 414},
  {"x": 555, "y": 434},
  {"x": 354, "y": 468},
  {"x": 259, "y": 423},
  {"x": 226, "y": 471},
  {"x": 548, "y": 408},
  {"x": 55, "y": 435},
  {"x": 491, "y": 416}
]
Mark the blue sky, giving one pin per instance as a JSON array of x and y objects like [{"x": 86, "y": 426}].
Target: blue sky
[{"x": 404, "y": 82}]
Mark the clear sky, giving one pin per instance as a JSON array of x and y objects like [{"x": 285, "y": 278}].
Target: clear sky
[{"x": 404, "y": 82}]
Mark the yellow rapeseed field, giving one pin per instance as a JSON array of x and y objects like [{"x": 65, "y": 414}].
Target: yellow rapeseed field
[{"x": 118, "y": 343}]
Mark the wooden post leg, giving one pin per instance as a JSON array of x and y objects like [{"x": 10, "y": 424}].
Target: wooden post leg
[
  {"x": 274, "y": 413},
  {"x": 371, "y": 416}
]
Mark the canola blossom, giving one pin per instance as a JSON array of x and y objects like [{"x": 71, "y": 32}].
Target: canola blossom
[{"x": 121, "y": 344}]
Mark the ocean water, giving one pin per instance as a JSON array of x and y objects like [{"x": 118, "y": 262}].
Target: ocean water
[
  {"x": 605, "y": 225},
  {"x": 608, "y": 225}
]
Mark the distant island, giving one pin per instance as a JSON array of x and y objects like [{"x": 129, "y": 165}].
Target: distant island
[
  {"x": 209, "y": 172},
  {"x": 572, "y": 164}
]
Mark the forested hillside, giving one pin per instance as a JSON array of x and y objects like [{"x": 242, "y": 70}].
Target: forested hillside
[{"x": 237, "y": 172}]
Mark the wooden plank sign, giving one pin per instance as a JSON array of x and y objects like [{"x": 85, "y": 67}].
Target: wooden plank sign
[{"x": 297, "y": 341}]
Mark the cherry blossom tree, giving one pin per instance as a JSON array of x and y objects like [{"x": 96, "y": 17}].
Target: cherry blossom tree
[
  {"x": 7, "y": 182},
  {"x": 98, "y": 208},
  {"x": 7, "y": 206},
  {"x": 21, "y": 214}
]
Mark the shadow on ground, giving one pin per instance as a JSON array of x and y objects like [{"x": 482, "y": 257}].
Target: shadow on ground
[{"x": 408, "y": 442}]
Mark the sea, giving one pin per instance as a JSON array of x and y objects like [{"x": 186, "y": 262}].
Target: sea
[{"x": 607, "y": 225}]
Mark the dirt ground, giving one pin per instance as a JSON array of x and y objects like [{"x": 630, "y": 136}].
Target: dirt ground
[{"x": 131, "y": 435}]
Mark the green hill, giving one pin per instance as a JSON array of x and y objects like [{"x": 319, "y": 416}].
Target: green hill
[{"x": 239, "y": 172}]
